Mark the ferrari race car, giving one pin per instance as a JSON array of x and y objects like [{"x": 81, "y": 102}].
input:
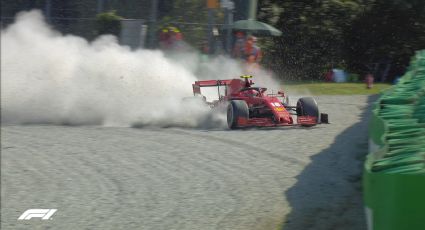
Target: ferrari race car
[{"x": 249, "y": 106}]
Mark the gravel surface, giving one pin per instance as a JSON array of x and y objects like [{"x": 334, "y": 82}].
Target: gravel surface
[{"x": 152, "y": 178}]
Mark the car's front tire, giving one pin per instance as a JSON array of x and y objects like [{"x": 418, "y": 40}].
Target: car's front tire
[{"x": 307, "y": 106}]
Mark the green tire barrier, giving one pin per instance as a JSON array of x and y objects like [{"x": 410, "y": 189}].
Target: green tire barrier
[{"x": 394, "y": 172}]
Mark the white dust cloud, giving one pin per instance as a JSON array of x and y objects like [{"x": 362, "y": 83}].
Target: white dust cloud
[{"x": 50, "y": 78}]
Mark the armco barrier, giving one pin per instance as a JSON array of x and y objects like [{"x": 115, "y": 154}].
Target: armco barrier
[{"x": 394, "y": 172}]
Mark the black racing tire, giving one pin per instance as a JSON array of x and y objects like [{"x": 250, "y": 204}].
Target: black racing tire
[
  {"x": 236, "y": 109},
  {"x": 307, "y": 106}
]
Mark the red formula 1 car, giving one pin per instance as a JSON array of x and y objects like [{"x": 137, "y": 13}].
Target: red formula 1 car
[{"x": 249, "y": 106}]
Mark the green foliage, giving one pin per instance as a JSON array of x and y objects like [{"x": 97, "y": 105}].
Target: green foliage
[
  {"x": 349, "y": 34},
  {"x": 313, "y": 39},
  {"x": 190, "y": 16},
  {"x": 108, "y": 23},
  {"x": 335, "y": 88},
  {"x": 353, "y": 77},
  {"x": 391, "y": 30}
]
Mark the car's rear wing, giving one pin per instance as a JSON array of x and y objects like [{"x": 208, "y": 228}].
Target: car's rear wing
[
  {"x": 208, "y": 83},
  {"x": 232, "y": 85}
]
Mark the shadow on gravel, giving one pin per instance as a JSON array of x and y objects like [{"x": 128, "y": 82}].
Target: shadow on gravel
[{"x": 328, "y": 192}]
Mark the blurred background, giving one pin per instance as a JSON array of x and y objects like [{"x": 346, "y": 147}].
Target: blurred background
[{"x": 303, "y": 40}]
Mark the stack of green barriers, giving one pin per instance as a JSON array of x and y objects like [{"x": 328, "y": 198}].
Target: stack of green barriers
[{"x": 394, "y": 173}]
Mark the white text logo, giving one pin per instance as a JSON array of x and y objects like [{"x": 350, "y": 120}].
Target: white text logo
[{"x": 44, "y": 214}]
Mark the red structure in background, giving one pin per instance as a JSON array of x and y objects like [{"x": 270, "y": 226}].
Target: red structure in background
[
  {"x": 170, "y": 38},
  {"x": 369, "y": 81}
]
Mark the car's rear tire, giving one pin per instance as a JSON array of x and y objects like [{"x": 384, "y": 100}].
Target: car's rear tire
[
  {"x": 235, "y": 110},
  {"x": 307, "y": 106}
]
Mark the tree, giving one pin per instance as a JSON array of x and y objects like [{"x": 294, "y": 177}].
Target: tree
[
  {"x": 313, "y": 35},
  {"x": 190, "y": 16},
  {"x": 350, "y": 34},
  {"x": 108, "y": 23},
  {"x": 389, "y": 32}
]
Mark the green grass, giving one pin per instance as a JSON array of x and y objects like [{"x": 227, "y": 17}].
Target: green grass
[{"x": 335, "y": 88}]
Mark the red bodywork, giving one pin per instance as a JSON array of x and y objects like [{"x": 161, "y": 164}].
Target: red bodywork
[{"x": 266, "y": 110}]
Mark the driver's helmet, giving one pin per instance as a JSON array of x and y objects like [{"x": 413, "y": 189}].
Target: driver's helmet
[{"x": 252, "y": 93}]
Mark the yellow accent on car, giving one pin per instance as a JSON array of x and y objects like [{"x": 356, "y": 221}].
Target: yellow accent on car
[{"x": 246, "y": 76}]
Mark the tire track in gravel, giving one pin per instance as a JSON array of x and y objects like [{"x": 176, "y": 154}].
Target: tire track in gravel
[
  {"x": 169, "y": 168},
  {"x": 151, "y": 178},
  {"x": 74, "y": 170},
  {"x": 243, "y": 145},
  {"x": 250, "y": 151}
]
